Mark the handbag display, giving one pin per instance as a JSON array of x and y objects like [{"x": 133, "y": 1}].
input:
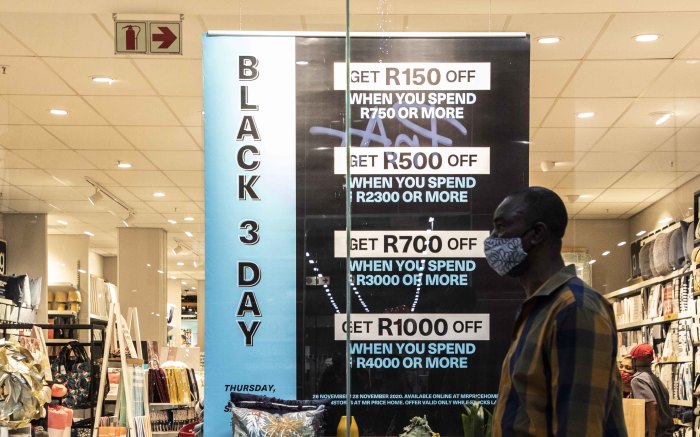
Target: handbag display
[{"x": 77, "y": 373}]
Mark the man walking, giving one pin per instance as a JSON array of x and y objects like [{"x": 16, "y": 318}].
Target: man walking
[{"x": 560, "y": 375}]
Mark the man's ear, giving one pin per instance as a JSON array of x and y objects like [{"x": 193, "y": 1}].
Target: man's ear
[{"x": 540, "y": 232}]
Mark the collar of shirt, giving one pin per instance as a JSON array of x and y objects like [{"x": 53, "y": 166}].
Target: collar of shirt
[{"x": 550, "y": 286}]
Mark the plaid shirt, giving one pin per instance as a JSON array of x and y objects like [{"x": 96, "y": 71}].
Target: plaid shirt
[{"x": 560, "y": 375}]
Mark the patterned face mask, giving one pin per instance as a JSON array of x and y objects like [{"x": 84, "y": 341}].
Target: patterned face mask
[{"x": 503, "y": 254}]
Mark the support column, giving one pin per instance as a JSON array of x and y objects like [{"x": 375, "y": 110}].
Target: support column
[
  {"x": 142, "y": 269},
  {"x": 27, "y": 251},
  {"x": 201, "y": 285}
]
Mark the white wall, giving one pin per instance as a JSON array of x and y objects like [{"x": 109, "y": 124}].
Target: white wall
[
  {"x": 96, "y": 264},
  {"x": 65, "y": 251},
  {"x": 110, "y": 269}
]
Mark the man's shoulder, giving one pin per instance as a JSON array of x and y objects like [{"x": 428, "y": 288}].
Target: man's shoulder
[{"x": 576, "y": 296}]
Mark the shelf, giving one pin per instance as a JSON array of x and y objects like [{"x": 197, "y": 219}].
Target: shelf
[
  {"x": 50, "y": 341},
  {"x": 654, "y": 321},
  {"x": 100, "y": 318},
  {"x": 674, "y": 361},
  {"x": 688, "y": 403},
  {"x": 54, "y": 313},
  {"x": 6, "y": 301},
  {"x": 165, "y": 433},
  {"x": 167, "y": 406},
  {"x": 632, "y": 289}
]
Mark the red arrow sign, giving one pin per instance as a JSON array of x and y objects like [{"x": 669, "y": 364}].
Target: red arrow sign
[{"x": 166, "y": 38}]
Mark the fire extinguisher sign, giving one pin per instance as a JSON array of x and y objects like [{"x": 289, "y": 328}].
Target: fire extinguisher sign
[
  {"x": 147, "y": 37},
  {"x": 130, "y": 36}
]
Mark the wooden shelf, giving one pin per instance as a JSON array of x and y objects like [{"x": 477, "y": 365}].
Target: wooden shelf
[
  {"x": 54, "y": 313},
  {"x": 165, "y": 433},
  {"x": 674, "y": 361},
  {"x": 167, "y": 406},
  {"x": 100, "y": 318},
  {"x": 50, "y": 341},
  {"x": 654, "y": 321},
  {"x": 633, "y": 289}
]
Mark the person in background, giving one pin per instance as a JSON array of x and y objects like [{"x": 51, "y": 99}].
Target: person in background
[
  {"x": 560, "y": 376},
  {"x": 645, "y": 385},
  {"x": 626, "y": 374}
]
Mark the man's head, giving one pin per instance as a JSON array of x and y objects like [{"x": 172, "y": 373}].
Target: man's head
[
  {"x": 537, "y": 217},
  {"x": 642, "y": 354}
]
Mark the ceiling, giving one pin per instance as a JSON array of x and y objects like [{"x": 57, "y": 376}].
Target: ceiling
[{"x": 618, "y": 162}]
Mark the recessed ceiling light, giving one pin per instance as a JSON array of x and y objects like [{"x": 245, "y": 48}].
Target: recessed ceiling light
[
  {"x": 606, "y": 253},
  {"x": 621, "y": 243},
  {"x": 188, "y": 233},
  {"x": 646, "y": 37},
  {"x": 58, "y": 112},
  {"x": 666, "y": 220},
  {"x": 89, "y": 234},
  {"x": 183, "y": 282},
  {"x": 585, "y": 115},
  {"x": 189, "y": 219},
  {"x": 302, "y": 62},
  {"x": 159, "y": 194},
  {"x": 592, "y": 262},
  {"x": 173, "y": 277},
  {"x": 549, "y": 39},
  {"x": 180, "y": 263},
  {"x": 692, "y": 61},
  {"x": 172, "y": 222},
  {"x": 102, "y": 79},
  {"x": 121, "y": 164},
  {"x": 62, "y": 222},
  {"x": 160, "y": 271},
  {"x": 640, "y": 233},
  {"x": 663, "y": 117}
]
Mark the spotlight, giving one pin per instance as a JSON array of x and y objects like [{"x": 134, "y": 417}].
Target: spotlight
[
  {"x": 547, "y": 165},
  {"x": 129, "y": 219},
  {"x": 95, "y": 197},
  {"x": 177, "y": 249}
]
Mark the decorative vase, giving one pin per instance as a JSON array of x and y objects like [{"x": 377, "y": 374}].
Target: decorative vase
[{"x": 354, "y": 432}]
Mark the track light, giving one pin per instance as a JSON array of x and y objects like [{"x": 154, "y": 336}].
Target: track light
[
  {"x": 178, "y": 249},
  {"x": 95, "y": 197},
  {"x": 547, "y": 165},
  {"x": 129, "y": 219}
]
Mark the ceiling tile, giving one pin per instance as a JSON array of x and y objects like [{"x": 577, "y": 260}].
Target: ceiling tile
[
  {"x": 538, "y": 110},
  {"x": 133, "y": 111},
  {"x": 686, "y": 139},
  {"x": 37, "y": 107},
  {"x": 153, "y": 219},
  {"x": 102, "y": 218},
  {"x": 141, "y": 178},
  {"x": 646, "y": 179},
  {"x": 27, "y": 177},
  {"x": 547, "y": 180},
  {"x": 684, "y": 178},
  {"x": 669, "y": 161},
  {"x": 613, "y": 78},
  {"x": 325, "y": 22},
  {"x": 589, "y": 179},
  {"x": 76, "y": 206},
  {"x": 692, "y": 51},
  {"x": 614, "y": 208},
  {"x": 123, "y": 194},
  {"x": 51, "y": 193},
  {"x": 640, "y": 112},
  {"x": 578, "y": 32},
  {"x": 22, "y": 136},
  {"x": 659, "y": 195},
  {"x": 625, "y": 195},
  {"x": 173, "y": 77},
  {"x": 80, "y": 35},
  {"x": 197, "y": 133},
  {"x": 568, "y": 139},
  {"x": 633, "y": 139},
  {"x": 78, "y": 72},
  {"x": 257, "y": 22},
  {"x": 13, "y": 192},
  {"x": 187, "y": 178},
  {"x": 609, "y": 161},
  {"x": 55, "y": 159},
  {"x": 563, "y": 161},
  {"x": 639, "y": 208},
  {"x": 13, "y": 160},
  {"x": 677, "y": 30},
  {"x": 606, "y": 111},
  {"x": 108, "y": 159},
  {"x": 547, "y": 78},
  {"x": 194, "y": 193},
  {"x": 159, "y": 138},
  {"x": 172, "y": 160},
  {"x": 449, "y": 23},
  {"x": 9, "y": 114},
  {"x": 681, "y": 79},
  {"x": 180, "y": 207},
  {"x": 77, "y": 178},
  {"x": 146, "y": 194},
  {"x": 188, "y": 109},
  {"x": 27, "y": 75},
  {"x": 10, "y": 45},
  {"x": 29, "y": 206},
  {"x": 91, "y": 137}
]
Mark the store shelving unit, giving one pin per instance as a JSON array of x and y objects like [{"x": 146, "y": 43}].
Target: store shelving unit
[{"x": 645, "y": 326}]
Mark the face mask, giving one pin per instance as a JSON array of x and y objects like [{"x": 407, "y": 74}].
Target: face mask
[
  {"x": 626, "y": 377},
  {"x": 503, "y": 254}
]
